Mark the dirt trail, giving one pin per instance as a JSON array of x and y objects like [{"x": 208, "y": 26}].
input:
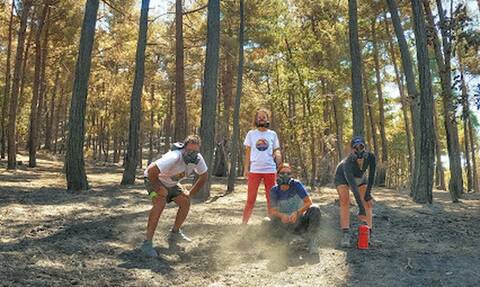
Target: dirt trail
[{"x": 51, "y": 238}]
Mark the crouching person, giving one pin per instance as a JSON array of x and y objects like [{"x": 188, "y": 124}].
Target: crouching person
[
  {"x": 162, "y": 182},
  {"x": 291, "y": 208}
]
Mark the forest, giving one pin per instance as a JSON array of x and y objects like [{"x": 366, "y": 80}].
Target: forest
[{"x": 91, "y": 91}]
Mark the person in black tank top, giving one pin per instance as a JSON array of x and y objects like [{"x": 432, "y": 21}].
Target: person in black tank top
[{"x": 350, "y": 175}]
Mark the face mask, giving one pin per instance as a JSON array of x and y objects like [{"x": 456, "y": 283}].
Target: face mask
[
  {"x": 191, "y": 157},
  {"x": 262, "y": 124},
  {"x": 284, "y": 179},
  {"x": 360, "y": 153}
]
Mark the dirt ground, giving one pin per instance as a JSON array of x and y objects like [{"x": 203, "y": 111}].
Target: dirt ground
[{"x": 52, "y": 238}]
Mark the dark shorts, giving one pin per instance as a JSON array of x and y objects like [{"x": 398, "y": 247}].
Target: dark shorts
[
  {"x": 341, "y": 180},
  {"x": 173, "y": 191}
]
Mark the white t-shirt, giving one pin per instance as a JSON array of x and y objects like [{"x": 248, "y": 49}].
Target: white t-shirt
[
  {"x": 173, "y": 168},
  {"x": 262, "y": 145}
]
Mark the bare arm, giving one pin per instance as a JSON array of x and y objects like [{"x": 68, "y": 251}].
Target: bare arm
[
  {"x": 277, "y": 156},
  {"x": 153, "y": 173},
  {"x": 307, "y": 202},
  {"x": 275, "y": 213},
  {"x": 246, "y": 162},
  {"x": 199, "y": 183}
]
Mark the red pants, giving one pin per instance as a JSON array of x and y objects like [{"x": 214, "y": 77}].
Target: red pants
[{"x": 254, "y": 180}]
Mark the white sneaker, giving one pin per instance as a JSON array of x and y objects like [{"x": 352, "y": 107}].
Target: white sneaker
[{"x": 178, "y": 235}]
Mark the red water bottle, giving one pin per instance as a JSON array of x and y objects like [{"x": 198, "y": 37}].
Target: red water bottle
[{"x": 363, "y": 236}]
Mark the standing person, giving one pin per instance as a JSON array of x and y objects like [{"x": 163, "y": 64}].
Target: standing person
[
  {"x": 350, "y": 175},
  {"x": 162, "y": 183},
  {"x": 262, "y": 155},
  {"x": 292, "y": 209}
]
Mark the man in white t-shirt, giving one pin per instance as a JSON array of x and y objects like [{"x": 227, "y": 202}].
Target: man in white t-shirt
[
  {"x": 162, "y": 182},
  {"x": 262, "y": 155}
]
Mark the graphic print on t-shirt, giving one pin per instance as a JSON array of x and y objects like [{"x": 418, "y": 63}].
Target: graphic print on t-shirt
[
  {"x": 178, "y": 176},
  {"x": 262, "y": 144}
]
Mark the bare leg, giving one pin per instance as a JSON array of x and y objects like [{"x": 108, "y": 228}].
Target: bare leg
[
  {"x": 159, "y": 203},
  {"x": 344, "y": 196},
  {"x": 368, "y": 205},
  {"x": 183, "y": 203}
]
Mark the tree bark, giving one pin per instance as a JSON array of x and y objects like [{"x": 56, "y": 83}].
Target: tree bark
[
  {"x": 52, "y": 120},
  {"x": 440, "y": 175},
  {"x": 180, "y": 101},
  {"x": 58, "y": 121},
  {"x": 6, "y": 88},
  {"x": 443, "y": 56},
  {"x": 413, "y": 95},
  {"x": 356, "y": 65},
  {"x": 74, "y": 159},
  {"x": 33, "y": 131},
  {"x": 17, "y": 76},
  {"x": 468, "y": 129},
  {"x": 381, "y": 102},
  {"x": 136, "y": 99},
  {"x": 209, "y": 95},
  {"x": 476, "y": 185},
  {"x": 424, "y": 158},
  {"x": 403, "y": 99},
  {"x": 371, "y": 116}
]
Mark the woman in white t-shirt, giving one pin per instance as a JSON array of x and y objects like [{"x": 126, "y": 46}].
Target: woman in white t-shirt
[{"x": 262, "y": 155}]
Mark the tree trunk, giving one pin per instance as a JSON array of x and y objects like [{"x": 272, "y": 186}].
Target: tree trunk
[
  {"x": 25, "y": 79},
  {"x": 57, "y": 122},
  {"x": 371, "y": 116},
  {"x": 383, "y": 163},
  {"x": 6, "y": 88},
  {"x": 43, "y": 82},
  {"x": 236, "y": 111},
  {"x": 403, "y": 99},
  {"x": 455, "y": 185},
  {"x": 33, "y": 131},
  {"x": 180, "y": 101},
  {"x": 209, "y": 96},
  {"x": 467, "y": 129},
  {"x": 378, "y": 85},
  {"x": 136, "y": 100},
  {"x": 51, "y": 121},
  {"x": 413, "y": 95},
  {"x": 17, "y": 76},
  {"x": 74, "y": 160},
  {"x": 168, "y": 124},
  {"x": 440, "y": 175},
  {"x": 227, "y": 90},
  {"x": 356, "y": 65},
  {"x": 467, "y": 151},
  {"x": 476, "y": 185},
  {"x": 424, "y": 158}
]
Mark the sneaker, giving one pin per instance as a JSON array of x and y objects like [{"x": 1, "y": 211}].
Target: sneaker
[
  {"x": 177, "y": 236},
  {"x": 148, "y": 249},
  {"x": 313, "y": 246},
  {"x": 345, "y": 243}
]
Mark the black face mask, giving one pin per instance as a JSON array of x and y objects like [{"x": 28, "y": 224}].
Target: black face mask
[
  {"x": 263, "y": 124},
  {"x": 284, "y": 179},
  {"x": 361, "y": 154},
  {"x": 191, "y": 157}
]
